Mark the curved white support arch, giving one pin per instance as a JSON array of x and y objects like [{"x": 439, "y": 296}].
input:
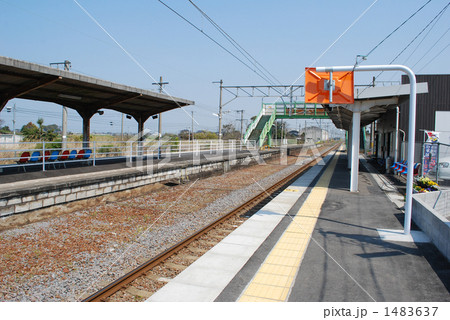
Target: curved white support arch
[{"x": 412, "y": 128}]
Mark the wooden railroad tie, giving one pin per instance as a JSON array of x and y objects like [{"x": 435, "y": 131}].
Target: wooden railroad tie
[
  {"x": 138, "y": 292},
  {"x": 175, "y": 266}
]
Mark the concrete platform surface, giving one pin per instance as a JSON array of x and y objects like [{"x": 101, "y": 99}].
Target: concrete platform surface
[
  {"x": 207, "y": 277},
  {"x": 346, "y": 259},
  {"x": 353, "y": 263}
]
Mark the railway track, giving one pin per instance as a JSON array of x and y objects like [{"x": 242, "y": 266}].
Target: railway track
[{"x": 150, "y": 276}]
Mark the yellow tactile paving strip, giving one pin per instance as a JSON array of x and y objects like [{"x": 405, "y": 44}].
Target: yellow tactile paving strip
[{"x": 276, "y": 275}]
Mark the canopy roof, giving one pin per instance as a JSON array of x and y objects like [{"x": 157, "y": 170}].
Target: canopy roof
[
  {"x": 372, "y": 102},
  {"x": 19, "y": 79}
]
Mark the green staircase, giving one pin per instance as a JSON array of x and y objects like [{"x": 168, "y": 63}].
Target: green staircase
[{"x": 261, "y": 127}]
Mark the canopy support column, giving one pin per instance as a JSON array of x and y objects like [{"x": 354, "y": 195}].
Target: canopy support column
[
  {"x": 86, "y": 115},
  {"x": 349, "y": 148},
  {"x": 86, "y": 131},
  {"x": 356, "y": 127},
  {"x": 140, "y": 118}
]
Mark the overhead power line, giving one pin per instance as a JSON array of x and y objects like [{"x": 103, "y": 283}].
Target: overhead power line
[
  {"x": 414, "y": 39},
  {"x": 244, "y": 52},
  {"x": 429, "y": 23},
  {"x": 396, "y": 29},
  {"x": 434, "y": 57},
  {"x": 338, "y": 38},
  {"x": 431, "y": 48},
  {"x": 424, "y": 38},
  {"x": 216, "y": 42},
  {"x": 126, "y": 52}
]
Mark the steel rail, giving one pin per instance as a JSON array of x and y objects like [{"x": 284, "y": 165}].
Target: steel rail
[{"x": 121, "y": 282}]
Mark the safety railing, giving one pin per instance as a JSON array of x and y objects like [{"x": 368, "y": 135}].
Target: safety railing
[
  {"x": 267, "y": 128},
  {"x": 49, "y": 155},
  {"x": 253, "y": 125}
]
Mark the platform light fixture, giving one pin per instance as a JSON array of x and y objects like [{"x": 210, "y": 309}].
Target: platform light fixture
[{"x": 67, "y": 96}]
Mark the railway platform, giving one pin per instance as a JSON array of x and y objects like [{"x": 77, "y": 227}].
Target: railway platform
[
  {"x": 316, "y": 241},
  {"x": 41, "y": 194}
]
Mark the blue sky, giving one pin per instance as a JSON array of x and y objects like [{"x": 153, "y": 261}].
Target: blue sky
[{"x": 284, "y": 36}]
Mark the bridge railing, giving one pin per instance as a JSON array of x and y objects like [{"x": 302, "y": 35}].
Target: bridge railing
[
  {"x": 253, "y": 125},
  {"x": 295, "y": 109}
]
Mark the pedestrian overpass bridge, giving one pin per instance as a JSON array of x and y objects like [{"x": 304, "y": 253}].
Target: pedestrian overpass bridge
[{"x": 262, "y": 126}]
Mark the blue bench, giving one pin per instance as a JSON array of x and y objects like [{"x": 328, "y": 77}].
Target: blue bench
[{"x": 402, "y": 168}]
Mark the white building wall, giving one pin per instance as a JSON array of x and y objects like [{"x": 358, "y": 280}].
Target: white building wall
[{"x": 9, "y": 138}]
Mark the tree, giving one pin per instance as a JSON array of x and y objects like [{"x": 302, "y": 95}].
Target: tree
[
  {"x": 205, "y": 135},
  {"x": 5, "y": 130},
  {"x": 52, "y": 127},
  {"x": 170, "y": 137},
  {"x": 184, "y": 134},
  {"x": 49, "y": 135},
  {"x": 32, "y": 133},
  {"x": 279, "y": 129},
  {"x": 229, "y": 132},
  {"x": 40, "y": 122}
]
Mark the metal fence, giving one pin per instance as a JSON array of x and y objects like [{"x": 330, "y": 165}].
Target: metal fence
[{"x": 52, "y": 154}]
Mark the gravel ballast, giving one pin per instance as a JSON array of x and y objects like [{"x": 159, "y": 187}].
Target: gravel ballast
[{"x": 66, "y": 258}]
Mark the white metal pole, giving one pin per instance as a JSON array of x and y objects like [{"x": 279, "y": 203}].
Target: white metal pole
[
  {"x": 349, "y": 147},
  {"x": 94, "y": 153},
  {"x": 331, "y": 87},
  {"x": 356, "y": 126},
  {"x": 64, "y": 127},
  {"x": 396, "y": 134},
  {"x": 14, "y": 125},
  {"x": 43, "y": 155},
  {"x": 412, "y": 125}
]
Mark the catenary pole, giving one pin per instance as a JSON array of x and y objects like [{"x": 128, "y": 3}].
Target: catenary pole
[
  {"x": 220, "y": 107},
  {"x": 160, "y": 84}
]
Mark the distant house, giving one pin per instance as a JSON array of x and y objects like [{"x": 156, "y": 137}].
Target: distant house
[
  {"x": 293, "y": 133},
  {"x": 314, "y": 134}
]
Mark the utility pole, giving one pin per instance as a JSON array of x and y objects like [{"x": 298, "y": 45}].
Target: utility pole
[
  {"x": 160, "y": 84},
  {"x": 220, "y": 108},
  {"x": 192, "y": 112},
  {"x": 13, "y": 109},
  {"x": 242, "y": 121},
  {"x": 291, "y": 101},
  {"x": 67, "y": 64},
  {"x": 121, "y": 129}
]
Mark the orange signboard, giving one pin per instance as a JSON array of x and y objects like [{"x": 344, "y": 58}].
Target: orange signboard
[{"x": 316, "y": 87}]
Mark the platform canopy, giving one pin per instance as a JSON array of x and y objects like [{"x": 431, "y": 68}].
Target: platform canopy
[
  {"x": 372, "y": 102},
  {"x": 25, "y": 80}
]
